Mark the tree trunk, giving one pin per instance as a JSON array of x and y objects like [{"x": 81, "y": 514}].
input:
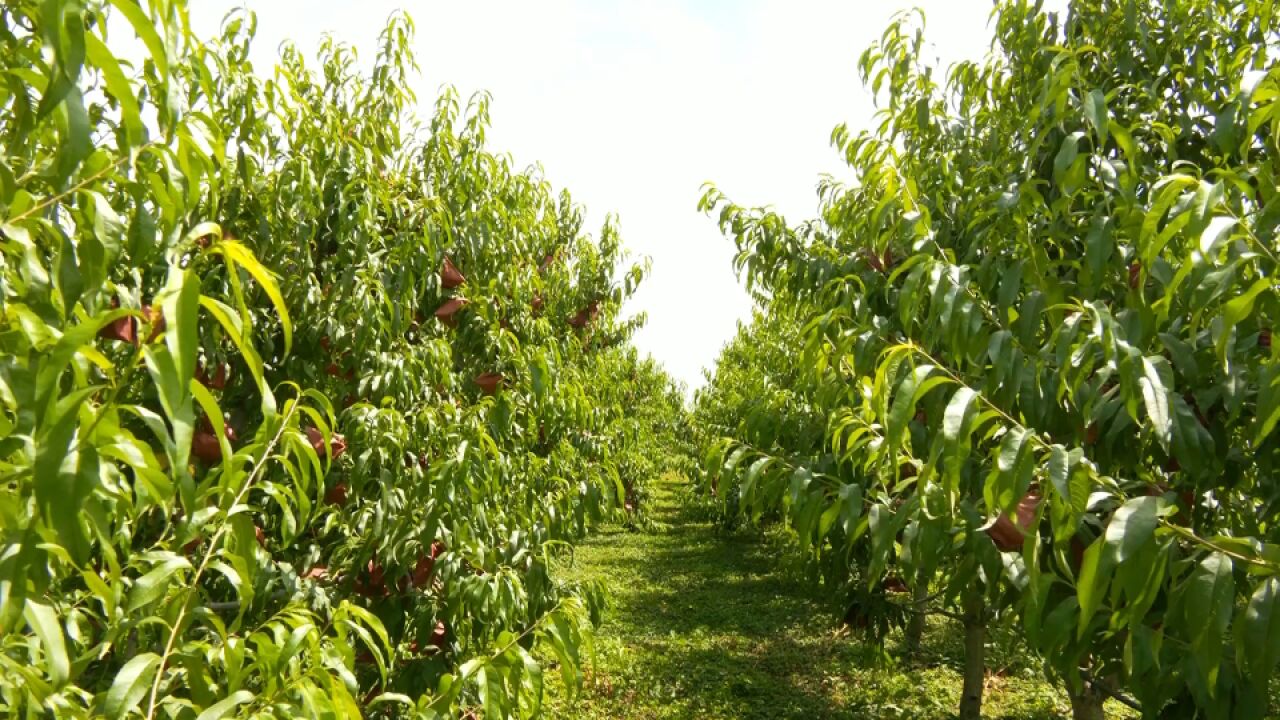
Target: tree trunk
[
  {"x": 915, "y": 623},
  {"x": 1087, "y": 703},
  {"x": 975, "y": 668}
]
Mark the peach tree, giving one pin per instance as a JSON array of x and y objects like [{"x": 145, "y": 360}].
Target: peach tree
[
  {"x": 302, "y": 397},
  {"x": 1039, "y": 320}
]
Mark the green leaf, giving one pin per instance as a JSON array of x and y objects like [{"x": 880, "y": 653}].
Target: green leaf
[
  {"x": 909, "y": 295},
  {"x": 1165, "y": 193},
  {"x": 58, "y": 491},
  {"x": 1065, "y": 161},
  {"x": 532, "y": 680},
  {"x": 1095, "y": 109},
  {"x": 911, "y": 389},
  {"x": 1155, "y": 395},
  {"x": 958, "y": 421},
  {"x": 1014, "y": 469},
  {"x": 181, "y": 305},
  {"x": 141, "y": 235},
  {"x": 243, "y": 257},
  {"x": 68, "y": 279},
  {"x": 213, "y": 412},
  {"x": 173, "y": 365},
  {"x": 370, "y": 621},
  {"x": 957, "y": 410},
  {"x": 1132, "y": 527},
  {"x": 130, "y": 685},
  {"x": 734, "y": 459},
  {"x": 540, "y": 375},
  {"x": 1209, "y": 586},
  {"x": 1268, "y": 401},
  {"x": 753, "y": 475},
  {"x": 1206, "y": 606},
  {"x": 1059, "y": 470},
  {"x": 904, "y": 404},
  {"x": 828, "y": 515},
  {"x": 118, "y": 86},
  {"x": 1124, "y": 139},
  {"x": 79, "y": 143},
  {"x": 1235, "y": 310},
  {"x": 63, "y": 25},
  {"x": 109, "y": 230},
  {"x": 1214, "y": 235},
  {"x": 146, "y": 32},
  {"x": 223, "y": 707},
  {"x": 1261, "y": 630},
  {"x": 801, "y": 479},
  {"x": 851, "y": 509},
  {"x": 1095, "y": 573},
  {"x": 44, "y": 622},
  {"x": 231, "y": 324},
  {"x": 100, "y": 589},
  {"x": 1099, "y": 247},
  {"x": 151, "y": 587}
]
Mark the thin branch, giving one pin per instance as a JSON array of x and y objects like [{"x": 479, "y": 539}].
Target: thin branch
[
  {"x": 1111, "y": 692},
  {"x": 68, "y": 192},
  {"x": 501, "y": 651},
  {"x": 1187, "y": 534},
  {"x": 926, "y": 599},
  {"x": 208, "y": 556},
  {"x": 1118, "y": 696}
]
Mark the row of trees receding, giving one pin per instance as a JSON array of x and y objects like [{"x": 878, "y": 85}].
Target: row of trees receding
[
  {"x": 298, "y": 396},
  {"x": 1022, "y": 366}
]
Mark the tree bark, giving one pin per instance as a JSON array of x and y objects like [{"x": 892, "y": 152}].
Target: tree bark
[
  {"x": 1087, "y": 704},
  {"x": 975, "y": 641}
]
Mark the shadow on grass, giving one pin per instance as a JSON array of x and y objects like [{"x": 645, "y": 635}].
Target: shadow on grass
[
  {"x": 704, "y": 625},
  {"x": 709, "y": 629}
]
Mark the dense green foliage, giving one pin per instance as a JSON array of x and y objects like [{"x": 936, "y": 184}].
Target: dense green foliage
[
  {"x": 1021, "y": 368},
  {"x": 245, "y": 471},
  {"x": 305, "y": 400}
]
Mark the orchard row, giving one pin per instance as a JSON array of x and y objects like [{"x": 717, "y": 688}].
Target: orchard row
[
  {"x": 303, "y": 399},
  {"x": 1021, "y": 369}
]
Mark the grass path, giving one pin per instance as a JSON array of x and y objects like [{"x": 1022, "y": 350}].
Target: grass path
[{"x": 703, "y": 625}]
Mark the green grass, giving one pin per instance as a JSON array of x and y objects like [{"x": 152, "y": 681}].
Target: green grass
[{"x": 704, "y": 625}]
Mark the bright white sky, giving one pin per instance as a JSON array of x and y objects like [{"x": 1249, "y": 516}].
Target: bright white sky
[{"x": 632, "y": 106}]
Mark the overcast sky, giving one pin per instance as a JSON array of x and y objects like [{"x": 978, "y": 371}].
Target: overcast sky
[{"x": 632, "y": 106}]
